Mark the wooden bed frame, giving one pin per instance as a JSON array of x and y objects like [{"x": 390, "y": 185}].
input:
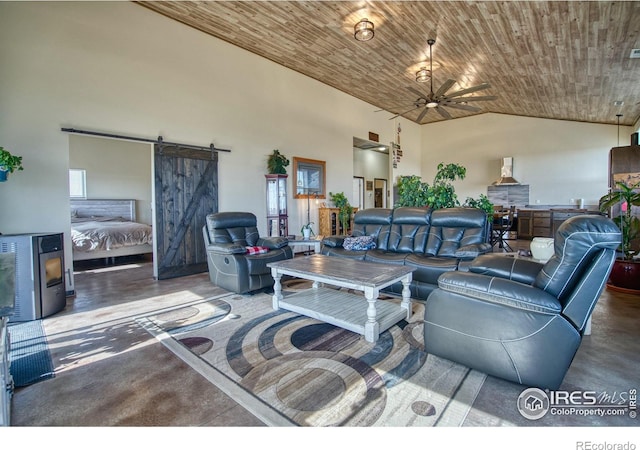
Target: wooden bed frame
[{"x": 108, "y": 208}]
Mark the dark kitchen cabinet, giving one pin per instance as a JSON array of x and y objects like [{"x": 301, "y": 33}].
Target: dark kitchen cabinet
[{"x": 543, "y": 222}]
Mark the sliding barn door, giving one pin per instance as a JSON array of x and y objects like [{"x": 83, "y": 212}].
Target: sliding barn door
[{"x": 186, "y": 190}]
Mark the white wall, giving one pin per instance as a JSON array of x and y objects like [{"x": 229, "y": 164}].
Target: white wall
[
  {"x": 115, "y": 169},
  {"x": 560, "y": 160},
  {"x": 117, "y": 67}
]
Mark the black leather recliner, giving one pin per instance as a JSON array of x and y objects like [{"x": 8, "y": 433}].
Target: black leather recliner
[
  {"x": 522, "y": 320},
  {"x": 227, "y": 236}
]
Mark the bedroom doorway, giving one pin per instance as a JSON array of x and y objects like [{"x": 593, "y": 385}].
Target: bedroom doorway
[
  {"x": 113, "y": 169},
  {"x": 173, "y": 188}
]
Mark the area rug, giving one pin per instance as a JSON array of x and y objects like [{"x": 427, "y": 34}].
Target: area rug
[
  {"x": 288, "y": 369},
  {"x": 29, "y": 354}
]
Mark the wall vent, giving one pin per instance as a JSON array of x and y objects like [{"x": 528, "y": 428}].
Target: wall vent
[{"x": 635, "y": 53}]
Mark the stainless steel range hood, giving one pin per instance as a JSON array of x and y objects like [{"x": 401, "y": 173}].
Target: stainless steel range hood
[{"x": 506, "y": 173}]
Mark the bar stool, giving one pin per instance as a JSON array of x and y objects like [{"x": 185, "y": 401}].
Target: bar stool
[{"x": 502, "y": 224}]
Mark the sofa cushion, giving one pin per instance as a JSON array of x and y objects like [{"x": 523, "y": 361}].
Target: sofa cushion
[
  {"x": 452, "y": 228},
  {"x": 429, "y": 268},
  {"x": 359, "y": 243},
  {"x": 577, "y": 241},
  {"x": 232, "y": 227},
  {"x": 384, "y": 257},
  {"x": 409, "y": 230},
  {"x": 341, "y": 252},
  {"x": 443, "y": 241},
  {"x": 374, "y": 222}
]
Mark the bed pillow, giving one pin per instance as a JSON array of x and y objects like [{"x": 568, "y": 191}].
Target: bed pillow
[{"x": 359, "y": 243}]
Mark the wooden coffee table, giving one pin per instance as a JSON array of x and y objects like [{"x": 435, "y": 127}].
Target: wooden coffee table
[{"x": 361, "y": 314}]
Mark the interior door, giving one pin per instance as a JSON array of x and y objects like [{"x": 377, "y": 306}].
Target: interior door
[
  {"x": 186, "y": 190},
  {"x": 358, "y": 191},
  {"x": 380, "y": 192}
]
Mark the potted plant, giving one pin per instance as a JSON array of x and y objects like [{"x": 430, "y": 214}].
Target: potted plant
[
  {"x": 482, "y": 203},
  {"x": 8, "y": 163},
  {"x": 625, "y": 274},
  {"x": 441, "y": 194},
  {"x": 307, "y": 231},
  {"x": 277, "y": 163},
  {"x": 345, "y": 210}
]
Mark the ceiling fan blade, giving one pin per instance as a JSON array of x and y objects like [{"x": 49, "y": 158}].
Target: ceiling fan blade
[
  {"x": 469, "y": 90},
  {"x": 444, "y": 88},
  {"x": 417, "y": 92},
  {"x": 443, "y": 112},
  {"x": 465, "y": 107},
  {"x": 399, "y": 114},
  {"x": 391, "y": 109},
  {"x": 474, "y": 99},
  {"x": 422, "y": 114}
]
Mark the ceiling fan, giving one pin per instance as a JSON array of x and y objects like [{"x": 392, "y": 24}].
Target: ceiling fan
[{"x": 441, "y": 100}]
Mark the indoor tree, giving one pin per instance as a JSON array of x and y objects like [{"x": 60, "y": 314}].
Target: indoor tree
[
  {"x": 412, "y": 191},
  {"x": 624, "y": 196},
  {"x": 345, "y": 210}
]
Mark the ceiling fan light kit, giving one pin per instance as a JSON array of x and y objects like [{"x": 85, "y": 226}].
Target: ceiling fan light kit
[
  {"x": 363, "y": 30},
  {"x": 423, "y": 75},
  {"x": 440, "y": 99}
]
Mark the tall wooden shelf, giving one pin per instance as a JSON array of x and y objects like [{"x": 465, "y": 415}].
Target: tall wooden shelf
[
  {"x": 277, "y": 216},
  {"x": 329, "y": 222}
]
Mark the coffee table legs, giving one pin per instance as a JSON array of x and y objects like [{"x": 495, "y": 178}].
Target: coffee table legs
[
  {"x": 406, "y": 295},
  {"x": 372, "y": 327},
  {"x": 277, "y": 288}
]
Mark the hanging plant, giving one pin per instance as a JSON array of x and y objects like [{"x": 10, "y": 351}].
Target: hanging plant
[{"x": 277, "y": 162}]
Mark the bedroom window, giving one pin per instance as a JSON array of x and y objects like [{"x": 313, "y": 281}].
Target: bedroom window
[{"x": 77, "y": 183}]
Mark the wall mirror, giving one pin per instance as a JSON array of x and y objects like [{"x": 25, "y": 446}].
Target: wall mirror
[{"x": 309, "y": 178}]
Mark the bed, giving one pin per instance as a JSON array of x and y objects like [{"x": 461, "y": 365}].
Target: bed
[{"x": 106, "y": 229}]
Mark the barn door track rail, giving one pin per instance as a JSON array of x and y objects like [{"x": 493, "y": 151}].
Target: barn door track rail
[{"x": 158, "y": 141}]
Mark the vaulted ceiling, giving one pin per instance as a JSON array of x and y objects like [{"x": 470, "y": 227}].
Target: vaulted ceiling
[{"x": 563, "y": 60}]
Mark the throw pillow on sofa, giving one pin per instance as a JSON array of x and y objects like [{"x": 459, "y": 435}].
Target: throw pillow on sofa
[
  {"x": 256, "y": 250},
  {"x": 359, "y": 243}
]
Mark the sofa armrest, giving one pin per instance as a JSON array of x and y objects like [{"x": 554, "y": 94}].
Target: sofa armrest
[
  {"x": 500, "y": 291},
  {"x": 472, "y": 251},
  {"x": 333, "y": 241},
  {"x": 227, "y": 249},
  {"x": 508, "y": 267},
  {"x": 273, "y": 243}
]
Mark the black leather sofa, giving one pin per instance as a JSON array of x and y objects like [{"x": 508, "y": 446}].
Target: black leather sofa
[
  {"x": 432, "y": 241},
  {"x": 229, "y": 238},
  {"x": 522, "y": 320}
]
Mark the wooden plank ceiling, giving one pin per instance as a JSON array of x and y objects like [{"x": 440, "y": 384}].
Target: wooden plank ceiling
[{"x": 551, "y": 59}]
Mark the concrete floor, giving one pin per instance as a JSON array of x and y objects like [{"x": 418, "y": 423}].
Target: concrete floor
[{"x": 110, "y": 372}]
